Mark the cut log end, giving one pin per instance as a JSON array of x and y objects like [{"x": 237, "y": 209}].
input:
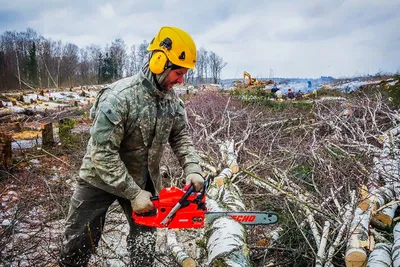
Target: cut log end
[
  {"x": 219, "y": 181},
  {"x": 189, "y": 262},
  {"x": 385, "y": 219},
  {"x": 356, "y": 257},
  {"x": 364, "y": 204},
  {"x": 234, "y": 168}
]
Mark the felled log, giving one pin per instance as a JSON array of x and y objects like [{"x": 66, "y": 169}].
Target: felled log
[
  {"x": 321, "y": 250},
  {"x": 386, "y": 215},
  {"x": 379, "y": 197},
  {"x": 359, "y": 242},
  {"x": 226, "y": 242},
  {"x": 228, "y": 155},
  {"x": 343, "y": 228},
  {"x": 396, "y": 245},
  {"x": 380, "y": 257},
  {"x": 178, "y": 252}
]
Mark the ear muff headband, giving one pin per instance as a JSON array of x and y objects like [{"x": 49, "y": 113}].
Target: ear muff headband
[{"x": 158, "y": 62}]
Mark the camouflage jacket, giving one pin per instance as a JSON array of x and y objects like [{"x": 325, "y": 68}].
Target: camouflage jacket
[{"x": 133, "y": 122}]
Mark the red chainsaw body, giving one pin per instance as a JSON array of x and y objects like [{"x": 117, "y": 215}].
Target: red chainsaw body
[{"x": 190, "y": 215}]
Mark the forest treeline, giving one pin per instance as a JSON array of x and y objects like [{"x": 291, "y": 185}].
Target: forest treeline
[{"x": 29, "y": 60}]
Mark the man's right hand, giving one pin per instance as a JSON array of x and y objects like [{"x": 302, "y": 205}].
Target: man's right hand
[{"x": 142, "y": 203}]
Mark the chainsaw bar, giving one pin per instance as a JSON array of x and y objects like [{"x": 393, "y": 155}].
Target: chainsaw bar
[{"x": 245, "y": 217}]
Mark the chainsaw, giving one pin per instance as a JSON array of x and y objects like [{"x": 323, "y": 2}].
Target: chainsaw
[{"x": 177, "y": 208}]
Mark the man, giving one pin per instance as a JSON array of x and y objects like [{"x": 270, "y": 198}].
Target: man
[{"x": 133, "y": 120}]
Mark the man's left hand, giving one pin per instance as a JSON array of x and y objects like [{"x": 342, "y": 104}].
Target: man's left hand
[{"x": 196, "y": 179}]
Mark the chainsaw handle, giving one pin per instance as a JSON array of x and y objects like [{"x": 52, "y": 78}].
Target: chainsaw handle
[
  {"x": 187, "y": 194},
  {"x": 155, "y": 201}
]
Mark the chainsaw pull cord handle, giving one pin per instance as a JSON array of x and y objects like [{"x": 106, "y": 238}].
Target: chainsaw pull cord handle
[{"x": 178, "y": 205}]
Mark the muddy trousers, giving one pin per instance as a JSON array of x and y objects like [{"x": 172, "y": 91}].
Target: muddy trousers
[{"x": 85, "y": 222}]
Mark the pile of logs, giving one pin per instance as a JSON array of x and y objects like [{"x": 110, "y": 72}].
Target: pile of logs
[{"x": 373, "y": 218}]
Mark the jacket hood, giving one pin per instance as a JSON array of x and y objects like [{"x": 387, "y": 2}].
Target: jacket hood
[{"x": 152, "y": 82}]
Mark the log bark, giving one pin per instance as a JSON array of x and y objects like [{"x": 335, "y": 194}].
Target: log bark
[
  {"x": 380, "y": 257},
  {"x": 178, "y": 252},
  {"x": 321, "y": 250},
  {"x": 347, "y": 218},
  {"x": 228, "y": 155},
  {"x": 359, "y": 241},
  {"x": 379, "y": 197},
  {"x": 226, "y": 242},
  {"x": 386, "y": 215},
  {"x": 396, "y": 245}
]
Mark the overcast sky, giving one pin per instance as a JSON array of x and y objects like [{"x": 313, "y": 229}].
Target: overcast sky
[{"x": 283, "y": 38}]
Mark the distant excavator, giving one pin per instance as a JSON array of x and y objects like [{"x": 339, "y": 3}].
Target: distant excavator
[
  {"x": 254, "y": 81},
  {"x": 250, "y": 80}
]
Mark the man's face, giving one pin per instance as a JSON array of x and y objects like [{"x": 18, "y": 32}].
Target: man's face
[{"x": 174, "y": 76}]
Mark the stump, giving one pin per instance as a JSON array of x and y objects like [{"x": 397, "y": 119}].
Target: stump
[
  {"x": 5, "y": 150},
  {"x": 47, "y": 135}
]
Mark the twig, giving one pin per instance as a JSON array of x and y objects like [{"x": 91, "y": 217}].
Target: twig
[
  {"x": 40, "y": 148},
  {"x": 298, "y": 226}
]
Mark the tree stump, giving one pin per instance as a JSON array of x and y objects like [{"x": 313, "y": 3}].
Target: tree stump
[
  {"x": 47, "y": 135},
  {"x": 5, "y": 150}
]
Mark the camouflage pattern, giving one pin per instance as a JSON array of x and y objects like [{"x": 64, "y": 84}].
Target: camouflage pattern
[
  {"x": 133, "y": 122},
  {"x": 85, "y": 223}
]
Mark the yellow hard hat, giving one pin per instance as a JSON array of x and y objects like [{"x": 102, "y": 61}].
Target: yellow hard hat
[{"x": 177, "y": 45}]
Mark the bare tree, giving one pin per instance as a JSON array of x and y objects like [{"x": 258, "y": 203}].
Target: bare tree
[
  {"x": 69, "y": 62},
  {"x": 216, "y": 64},
  {"x": 189, "y": 77},
  {"x": 142, "y": 52},
  {"x": 201, "y": 65},
  {"x": 133, "y": 66},
  {"x": 119, "y": 57},
  {"x": 94, "y": 55},
  {"x": 28, "y": 60},
  {"x": 84, "y": 66}
]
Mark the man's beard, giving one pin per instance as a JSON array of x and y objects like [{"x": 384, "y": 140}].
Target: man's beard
[{"x": 162, "y": 80}]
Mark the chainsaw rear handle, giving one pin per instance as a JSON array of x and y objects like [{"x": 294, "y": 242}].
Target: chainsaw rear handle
[{"x": 155, "y": 202}]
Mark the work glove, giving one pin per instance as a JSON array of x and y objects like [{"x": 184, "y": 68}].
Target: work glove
[
  {"x": 196, "y": 179},
  {"x": 142, "y": 203}
]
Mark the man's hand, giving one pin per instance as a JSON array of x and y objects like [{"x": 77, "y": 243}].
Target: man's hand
[
  {"x": 196, "y": 179},
  {"x": 142, "y": 203}
]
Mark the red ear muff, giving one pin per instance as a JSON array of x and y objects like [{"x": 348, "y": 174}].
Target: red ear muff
[{"x": 158, "y": 62}]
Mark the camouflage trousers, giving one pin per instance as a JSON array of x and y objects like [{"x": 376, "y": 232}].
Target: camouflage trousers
[{"x": 85, "y": 222}]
